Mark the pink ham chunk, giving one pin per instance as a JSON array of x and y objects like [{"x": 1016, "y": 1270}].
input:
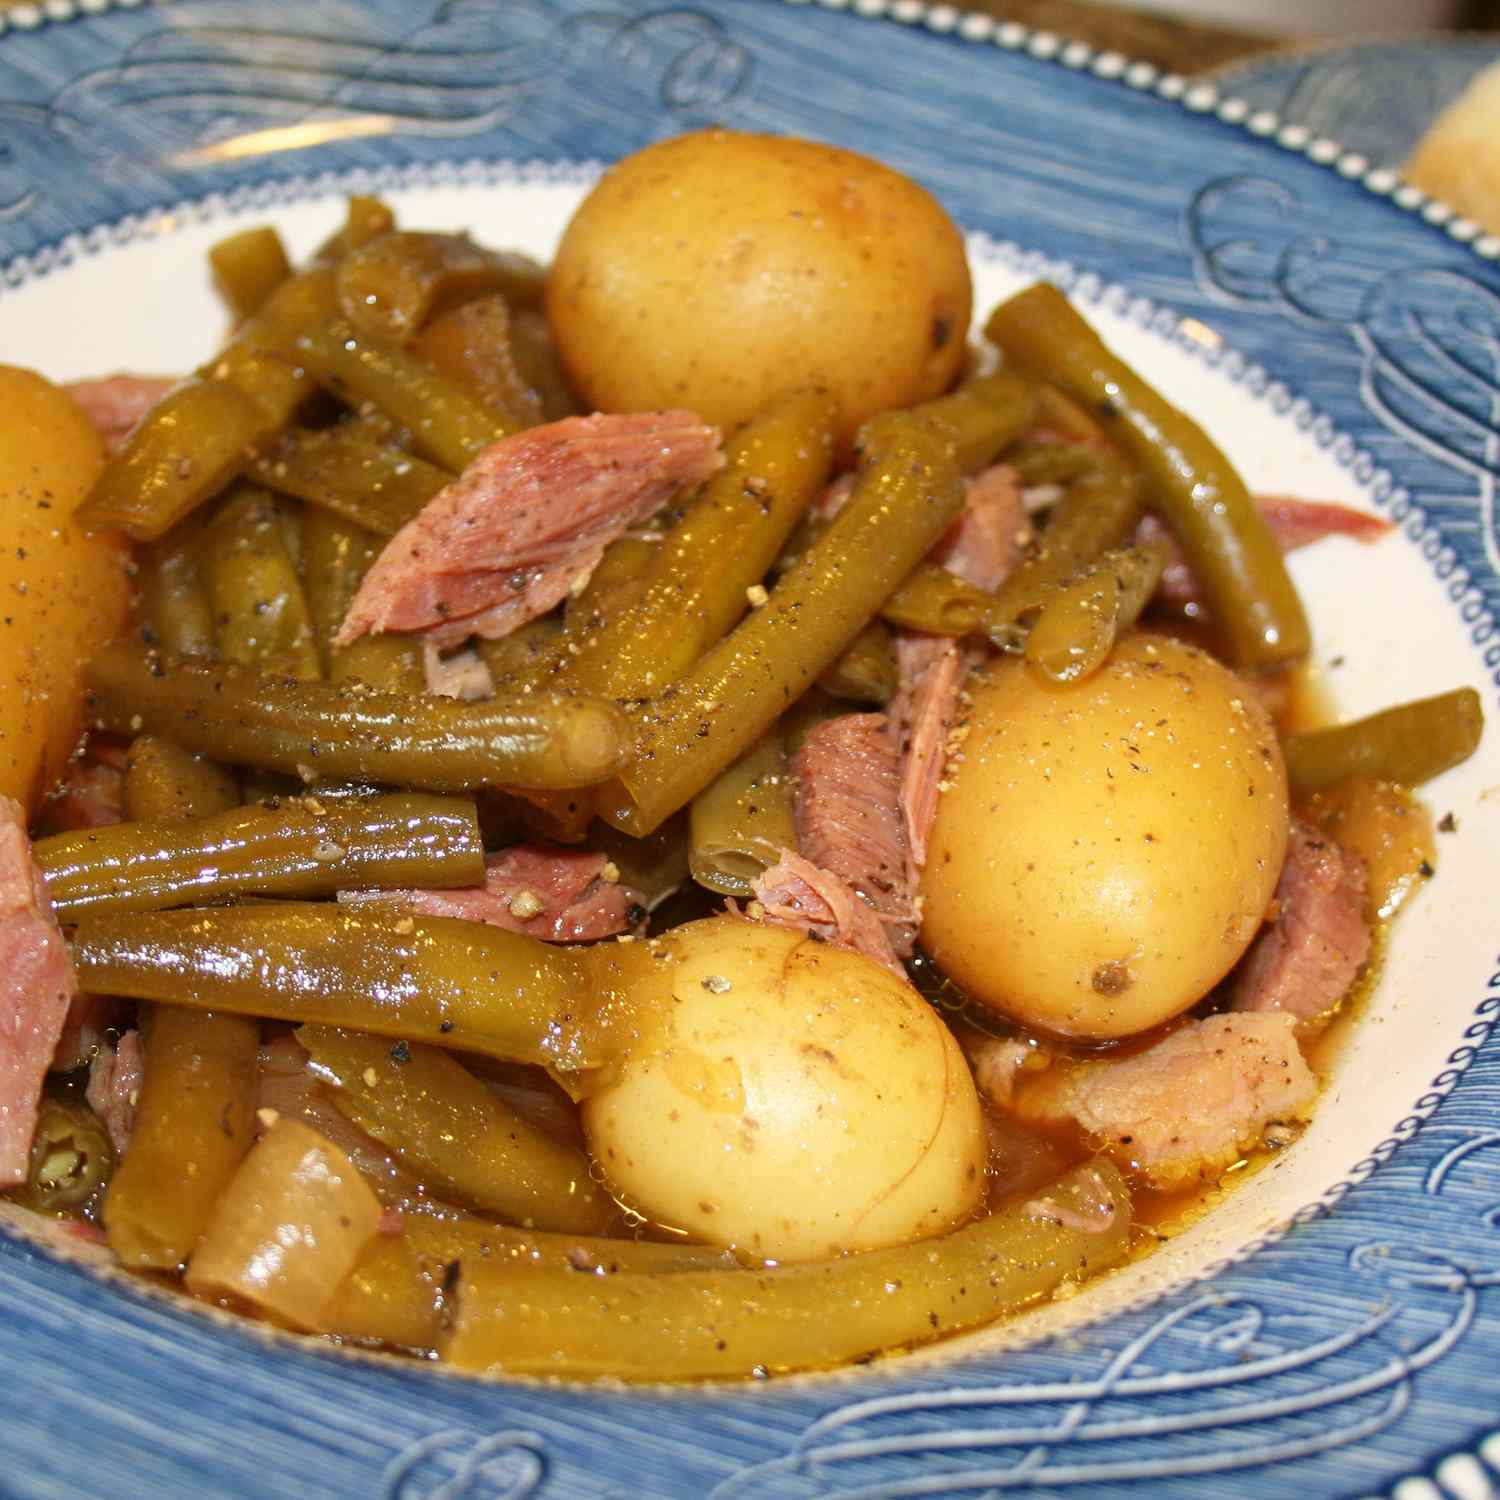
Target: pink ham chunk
[
  {"x": 795, "y": 893},
  {"x": 558, "y": 895},
  {"x": 1187, "y": 1106},
  {"x": 1304, "y": 963},
  {"x": 987, "y": 539},
  {"x": 849, "y": 816},
  {"x": 525, "y": 522},
  {"x": 931, "y": 672},
  {"x": 36, "y": 990},
  {"x": 114, "y": 1087},
  {"x": 116, "y": 403}
]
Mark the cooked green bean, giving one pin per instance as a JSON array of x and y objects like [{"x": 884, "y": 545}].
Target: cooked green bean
[
  {"x": 985, "y": 415},
  {"x": 537, "y": 361},
  {"x": 390, "y": 286},
  {"x": 260, "y": 612},
  {"x": 907, "y": 492},
  {"x": 397, "y": 1293},
  {"x": 695, "y": 588},
  {"x": 349, "y": 471},
  {"x": 435, "y": 979},
  {"x": 529, "y": 653},
  {"x": 174, "y": 611},
  {"x": 1408, "y": 744},
  {"x": 300, "y": 847},
  {"x": 741, "y": 822},
  {"x": 162, "y": 780},
  {"x": 365, "y": 218},
  {"x": 342, "y": 730},
  {"x": 446, "y": 423},
  {"x": 1079, "y": 624},
  {"x": 704, "y": 1324},
  {"x": 454, "y": 1134},
  {"x": 867, "y": 672},
  {"x": 937, "y": 602},
  {"x": 71, "y": 1158},
  {"x": 655, "y": 865},
  {"x": 1221, "y": 531},
  {"x": 248, "y": 267},
  {"x": 617, "y": 578},
  {"x": 194, "y": 1122},
  {"x": 186, "y": 448},
  {"x": 472, "y": 345}
]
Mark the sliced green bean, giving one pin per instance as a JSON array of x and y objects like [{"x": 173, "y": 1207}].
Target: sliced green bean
[
  {"x": 1079, "y": 624},
  {"x": 350, "y": 472},
  {"x": 907, "y": 492},
  {"x": 937, "y": 602},
  {"x": 186, "y": 448},
  {"x": 365, "y": 218},
  {"x": 537, "y": 361},
  {"x": 390, "y": 286},
  {"x": 529, "y": 653},
  {"x": 195, "y": 1120},
  {"x": 656, "y": 865},
  {"x": 71, "y": 1158},
  {"x": 867, "y": 672},
  {"x": 174, "y": 610},
  {"x": 1220, "y": 529},
  {"x": 696, "y": 587},
  {"x": 472, "y": 345},
  {"x": 260, "y": 612},
  {"x": 985, "y": 415},
  {"x": 432, "y": 979},
  {"x": 456, "y": 1135},
  {"x": 446, "y": 423},
  {"x": 299, "y": 847},
  {"x": 248, "y": 267},
  {"x": 398, "y": 1292},
  {"x": 742, "y": 822},
  {"x": 1408, "y": 744},
  {"x": 342, "y": 730},
  {"x": 162, "y": 780},
  {"x": 706, "y": 1324}
]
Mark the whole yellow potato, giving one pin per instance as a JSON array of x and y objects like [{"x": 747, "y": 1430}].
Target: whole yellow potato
[
  {"x": 714, "y": 270},
  {"x": 1105, "y": 851},
  {"x": 65, "y": 592},
  {"x": 788, "y": 1098}
]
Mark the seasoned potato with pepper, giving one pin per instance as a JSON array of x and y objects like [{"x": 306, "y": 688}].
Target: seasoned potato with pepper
[
  {"x": 65, "y": 592},
  {"x": 1105, "y": 850},
  {"x": 713, "y": 270}
]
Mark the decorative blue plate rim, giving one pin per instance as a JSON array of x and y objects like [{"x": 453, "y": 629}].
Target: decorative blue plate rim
[{"x": 1459, "y": 1462}]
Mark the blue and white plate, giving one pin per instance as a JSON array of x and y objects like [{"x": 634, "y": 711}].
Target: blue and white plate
[{"x": 1331, "y": 1329}]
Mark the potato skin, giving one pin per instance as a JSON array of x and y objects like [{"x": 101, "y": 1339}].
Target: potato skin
[
  {"x": 1106, "y": 850},
  {"x": 715, "y": 270},
  {"x": 787, "y": 1098},
  {"x": 65, "y": 593}
]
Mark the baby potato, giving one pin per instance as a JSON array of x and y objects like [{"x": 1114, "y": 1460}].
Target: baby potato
[
  {"x": 715, "y": 270},
  {"x": 787, "y": 1098},
  {"x": 65, "y": 592},
  {"x": 1105, "y": 850}
]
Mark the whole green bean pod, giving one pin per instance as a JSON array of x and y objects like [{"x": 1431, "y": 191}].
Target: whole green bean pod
[
  {"x": 1198, "y": 492},
  {"x": 300, "y": 847},
  {"x": 194, "y": 1122},
  {"x": 706, "y": 1324},
  {"x": 454, "y": 1134},
  {"x": 446, "y": 423},
  {"x": 1080, "y": 623},
  {"x": 397, "y": 1293},
  {"x": 908, "y": 490},
  {"x": 260, "y": 612},
  {"x": 175, "y": 613},
  {"x": 433, "y": 979},
  {"x": 342, "y": 730},
  {"x": 743, "y": 821},
  {"x": 351, "y": 472},
  {"x": 248, "y": 267},
  {"x": 186, "y": 448},
  {"x": 986, "y": 415},
  {"x": 695, "y": 588},
  {"x": 163, "y": 781},
  {"x": 390, "y": 286},
  {"x": 1408, "y": 744}
]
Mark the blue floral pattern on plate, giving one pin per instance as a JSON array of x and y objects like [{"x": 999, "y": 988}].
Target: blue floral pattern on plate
[{"x": 1346, "y": 1353}]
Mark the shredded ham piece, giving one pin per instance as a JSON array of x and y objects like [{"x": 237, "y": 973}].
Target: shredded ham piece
[
  {"x": 795, "y": 893},
  {"x": 114, "y": 1087},
  {"x": 36, "y": 990},
  {"x": 558, "y": 895},
  {"x": 527, "y": 520}
]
